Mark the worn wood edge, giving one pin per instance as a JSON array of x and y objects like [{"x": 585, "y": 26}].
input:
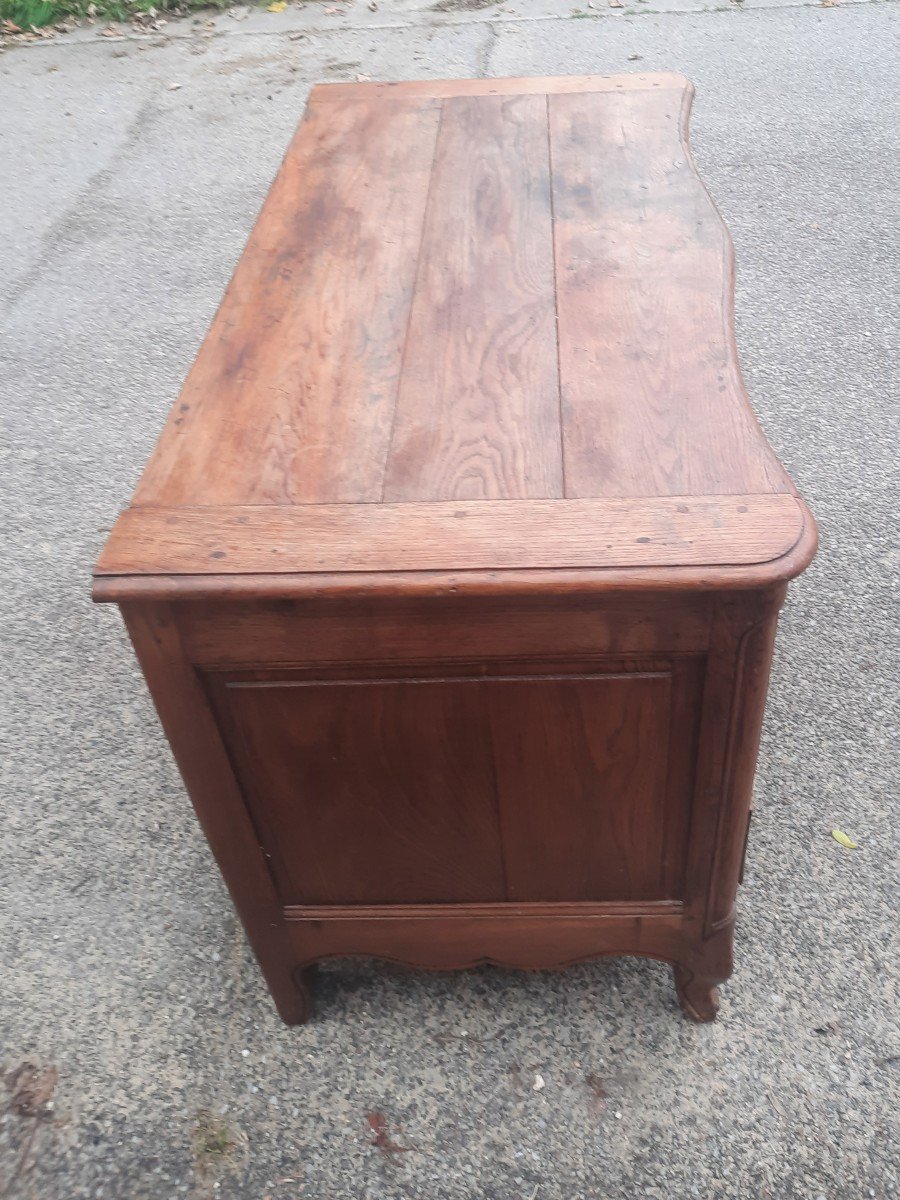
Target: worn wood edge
[
  {"x": 786, "y": 559},
  {"x": 582, "y": 910},
  {"x": 648, "y": 533},
  {"x": 445, "y": 89},
  {"x": 509, "y": 584}
]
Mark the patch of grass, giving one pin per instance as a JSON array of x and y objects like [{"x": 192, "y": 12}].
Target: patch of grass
[
  {"x": 211, "y": 1141},
  {"x": 219, "y": 1149},
  {"x": 38, "y": 13}
]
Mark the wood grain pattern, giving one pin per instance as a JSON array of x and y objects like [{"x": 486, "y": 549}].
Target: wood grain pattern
[
  {"x": 574, "y": 751},
  {"x": 528, "y": 937},
  {"x": 478, "y": 406},
  {"x": 205, "y": 767},
  {"x": 467, "y": 535},
  {"x": 456, "y": 571},
  {"x": 444, "y": 780},
  {"x": 433, "y": 262},
  {"x": 653, "y": 402},
  {"x": 344, "y": 773},
  {"x": 430, "y": 631},
  {"x": 292, "y": 396}
]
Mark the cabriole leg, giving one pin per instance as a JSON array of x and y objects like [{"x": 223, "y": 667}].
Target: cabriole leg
[
  {"x": 697, "y": 993},
  {"x": 299, "y": 1006}
]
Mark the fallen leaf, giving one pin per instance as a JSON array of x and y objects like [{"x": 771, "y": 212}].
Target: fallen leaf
[
  {"x": 32, "y": 1090},
  {"x": 382, "y": 1141},
  {"x": 276, "y": 6},
  {"x": 615, "y": 4},
  {"x": 845, "y": 841},
  {"x": 538, "y": 1084},
  {"x": 828, "y": 4},
  {"x": 110, "y": 32}
]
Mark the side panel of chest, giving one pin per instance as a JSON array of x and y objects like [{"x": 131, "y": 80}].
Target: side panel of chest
[
  {"x": 484, "y": 781},
  {"x": 442, "y": 784}
]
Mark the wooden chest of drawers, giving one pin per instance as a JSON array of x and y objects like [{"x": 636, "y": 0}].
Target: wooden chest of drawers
[{"x": 456, "y": 571}]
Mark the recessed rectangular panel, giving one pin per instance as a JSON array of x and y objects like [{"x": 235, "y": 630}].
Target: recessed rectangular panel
[
  {"x": 582, "y": 773},
  {"x": 370, "y": 792},
  {"x": 464, "y": 788}
]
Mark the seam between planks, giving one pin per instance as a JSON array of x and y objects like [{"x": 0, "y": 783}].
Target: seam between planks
[
  {"x": 559, "y": 385},
  {"x": 412, "y": 299}
]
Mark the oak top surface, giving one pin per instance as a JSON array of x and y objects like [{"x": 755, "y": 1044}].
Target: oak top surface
[{"x": 471, "y": 293}]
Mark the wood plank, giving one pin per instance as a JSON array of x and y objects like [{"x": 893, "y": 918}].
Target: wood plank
[
  {"x": 537, "y": 937},
  {"x": 292, "y": 395},
  {"x": 478, "y": 407},
  {"x": 538, "y": 86},
  {"x": 442, "y": 631},
  {"x": 653, "y": 402},
  {"x": 466, "y": 535}
]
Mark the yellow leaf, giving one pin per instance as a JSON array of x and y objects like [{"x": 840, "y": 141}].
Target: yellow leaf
[
  {"x": 844, "y": 840},
  {"x": 277, "y": 6}
]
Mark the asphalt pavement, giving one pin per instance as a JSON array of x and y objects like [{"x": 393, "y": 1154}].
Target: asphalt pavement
[{"x": 143, "y": 1058}]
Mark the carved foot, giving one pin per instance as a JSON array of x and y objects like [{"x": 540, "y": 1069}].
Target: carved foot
[
  {"x": 697, "y": 993},
  {"x": 297, "y": 1007}
]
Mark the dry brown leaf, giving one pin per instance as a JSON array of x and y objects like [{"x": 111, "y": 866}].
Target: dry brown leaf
[{"x": 32, "y": 1090}]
